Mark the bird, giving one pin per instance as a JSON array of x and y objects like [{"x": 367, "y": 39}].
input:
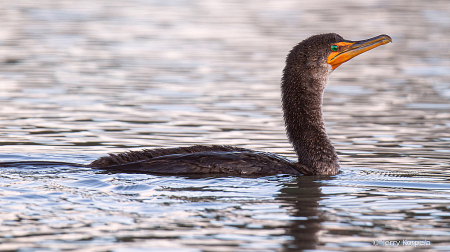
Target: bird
[{"x": 305, "y": 75}]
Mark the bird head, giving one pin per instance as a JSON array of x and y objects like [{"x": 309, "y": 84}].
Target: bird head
[
  {"x": 344, "y": 50},
  {"x": 325, "y": 52}
]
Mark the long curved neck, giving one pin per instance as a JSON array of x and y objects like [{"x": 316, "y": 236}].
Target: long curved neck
[{"x": 302, "y": 90}]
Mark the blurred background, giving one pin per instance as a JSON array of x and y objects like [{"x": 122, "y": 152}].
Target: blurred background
[
  {"x": 82, "y": 78},
  {"x": 90, "y": 77}
]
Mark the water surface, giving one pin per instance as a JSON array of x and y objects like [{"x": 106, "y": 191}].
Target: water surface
[{"x": 80, "y": 79}]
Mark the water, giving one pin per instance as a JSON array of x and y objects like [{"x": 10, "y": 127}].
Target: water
[{"x": 79, "y": 79}]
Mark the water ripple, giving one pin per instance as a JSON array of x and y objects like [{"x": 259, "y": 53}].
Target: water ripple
[{"x": 82, "y": 79}]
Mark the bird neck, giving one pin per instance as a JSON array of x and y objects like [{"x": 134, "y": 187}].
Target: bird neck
[{"x": 302, "y": 92}]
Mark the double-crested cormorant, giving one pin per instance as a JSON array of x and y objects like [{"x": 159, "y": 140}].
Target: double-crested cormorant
[{"x": 305, "y": 76}]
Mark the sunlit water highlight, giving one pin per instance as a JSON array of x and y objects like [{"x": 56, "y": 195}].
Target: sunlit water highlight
[{"x": 79, "y": 79}]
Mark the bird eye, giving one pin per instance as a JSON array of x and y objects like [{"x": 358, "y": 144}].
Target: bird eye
[{"x": 334, "y": 48}]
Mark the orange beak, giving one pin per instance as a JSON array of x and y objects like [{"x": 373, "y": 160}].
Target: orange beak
[{"x": 349, "y": 49}]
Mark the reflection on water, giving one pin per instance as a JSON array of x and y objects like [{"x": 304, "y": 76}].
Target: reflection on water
[
  {"x": 80, "y": 79},
  {"x": 68, "y": 208}
]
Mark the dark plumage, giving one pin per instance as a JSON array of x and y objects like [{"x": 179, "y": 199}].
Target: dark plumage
[
  {"x": 304, "y": 79},
  {"x": 305, "y": 75},
  {"x": 199, "y": 159}
]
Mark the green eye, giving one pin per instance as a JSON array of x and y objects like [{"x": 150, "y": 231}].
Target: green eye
[{"x": 334, "y": 48}]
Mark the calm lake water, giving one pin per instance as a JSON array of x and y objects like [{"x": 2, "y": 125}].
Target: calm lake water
[{"x": 79, "y": 79}]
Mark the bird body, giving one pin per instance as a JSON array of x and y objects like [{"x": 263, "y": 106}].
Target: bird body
[
  {"x": 308, "y": 66},
  {"x": 200, "y": 159}
]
